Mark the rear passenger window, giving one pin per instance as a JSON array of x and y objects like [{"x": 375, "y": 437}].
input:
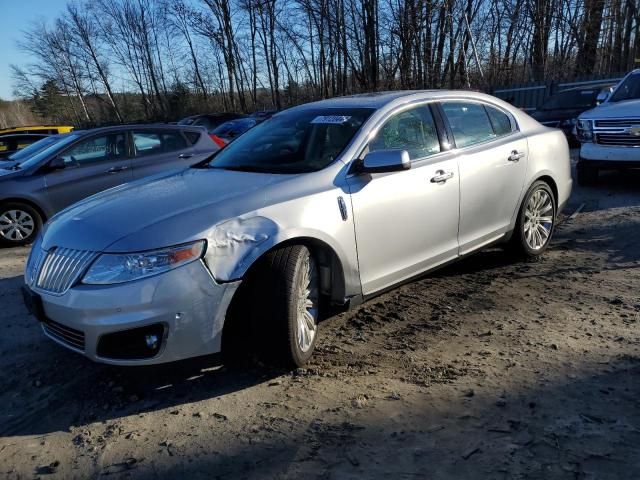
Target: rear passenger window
[
  {"x": 156, "y": 142},
  {"x": 412, "y": 130},
  {"x": 469, "y": 123},
  {"x": 500, "y": 121},
  {"x": 96, "y": 149}
]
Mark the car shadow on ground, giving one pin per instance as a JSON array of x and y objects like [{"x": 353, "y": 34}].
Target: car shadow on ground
[{"x": 570, "y": 422}]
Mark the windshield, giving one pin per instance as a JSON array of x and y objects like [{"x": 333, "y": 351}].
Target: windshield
[
  {"x": 572, "y": 99},
  {"x": 63, "y": 141},
  {"x": 34, "y": 148},
  {"x": 296, "y": 141},
  {"x": 628, "y": 90}
]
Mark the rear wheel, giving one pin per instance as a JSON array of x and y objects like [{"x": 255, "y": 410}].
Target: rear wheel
[
  {"x": 19, "y": 224},
  {"x": 586, "y": 174},
  {"x": 536, "y": 221}
]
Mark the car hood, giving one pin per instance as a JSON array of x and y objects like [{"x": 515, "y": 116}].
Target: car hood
[
  {"x": 623, "y": 109},
  {"x": 157, "y": 212},
  {"x": 555, "y": 115}
]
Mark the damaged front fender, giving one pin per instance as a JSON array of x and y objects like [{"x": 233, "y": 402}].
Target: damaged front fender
[{"x": 232, "y": 245}]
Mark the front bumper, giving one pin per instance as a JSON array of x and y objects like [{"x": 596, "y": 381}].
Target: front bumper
[
  {"x": 608, "y": 156},
  {"x": 186, "y": 301}
]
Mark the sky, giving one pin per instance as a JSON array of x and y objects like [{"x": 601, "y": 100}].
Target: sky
[{"x": 16, "y": 16}]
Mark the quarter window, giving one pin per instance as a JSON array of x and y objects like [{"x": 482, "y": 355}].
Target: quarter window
[
  {"x": 96, "y": 149},
  {"x": 155, "y": 142},
  {"x": 499, "y": 120},
  {"x": 412, "y": 130},
  {"x": 469, "y": 123}
]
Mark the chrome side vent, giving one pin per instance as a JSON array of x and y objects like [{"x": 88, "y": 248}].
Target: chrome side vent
[{"x": 61, "y": 269}]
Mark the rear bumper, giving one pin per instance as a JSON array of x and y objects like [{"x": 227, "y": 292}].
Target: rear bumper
[{"x": 186, "y": 301}]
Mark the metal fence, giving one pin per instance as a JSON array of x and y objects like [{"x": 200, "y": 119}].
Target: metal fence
[{"x": 530, "y": 96}]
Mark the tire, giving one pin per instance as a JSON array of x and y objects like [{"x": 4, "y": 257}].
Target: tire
[
  {"x": 586, "y": 174},
  {"x": 286, "y": 300},
  {"x": 539, "y": 203},
  {"x": 19, "y": 224}
]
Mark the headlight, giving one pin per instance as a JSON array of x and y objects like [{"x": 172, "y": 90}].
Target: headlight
[
  {"x": 584, "y": 129},
  {"x": 125, "y": 267}
]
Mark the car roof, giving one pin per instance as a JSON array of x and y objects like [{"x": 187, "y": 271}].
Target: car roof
[
  {"x": 23, "y": 135},
  {"x": 143, "y": 126},
  {"x": 377, "y": 100}
]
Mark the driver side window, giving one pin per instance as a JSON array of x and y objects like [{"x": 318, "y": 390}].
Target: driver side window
[
  {"x": 96, "y": 149},
  {"x": 413, "y": 130}
]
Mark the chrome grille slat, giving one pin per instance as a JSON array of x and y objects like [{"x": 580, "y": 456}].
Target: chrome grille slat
[
  {"x": 61, "y": 269},
  {"x": 617, "y": 123},
  {"x": 619, "y": 139}
]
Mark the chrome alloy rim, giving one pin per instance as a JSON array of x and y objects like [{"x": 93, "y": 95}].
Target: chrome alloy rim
[
  {"x": 538, "y": 219},
  {"x": 16, "y": 225},
  {"x": 307, "y": 293}
]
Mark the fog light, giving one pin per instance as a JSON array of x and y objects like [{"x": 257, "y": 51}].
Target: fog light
[
  {"x": 134, "y": 344},
  {"x": 152, "y": 341}
]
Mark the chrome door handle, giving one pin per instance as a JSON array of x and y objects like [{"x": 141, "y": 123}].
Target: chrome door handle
[
  {"x": 441, "y": 176},
  {"x": 185, "y": 155},
  {"x": 117, "y": 169},
  {"x": 515, "y": 156}
]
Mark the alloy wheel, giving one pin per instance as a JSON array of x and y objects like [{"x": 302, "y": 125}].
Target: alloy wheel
[
  {"x": 16, "y": 225},
  {"x": 308, "y": 294},
  {"x": 538, "y": 219}
]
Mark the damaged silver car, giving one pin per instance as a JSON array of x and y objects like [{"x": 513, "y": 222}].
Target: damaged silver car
[{"x": 326, "y": 204}]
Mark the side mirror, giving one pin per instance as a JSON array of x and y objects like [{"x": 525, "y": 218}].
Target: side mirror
[
  {"x": 602, "y": 96},
  {"x": 57, "y": 164},
  {"x": 386, "y": 161}
]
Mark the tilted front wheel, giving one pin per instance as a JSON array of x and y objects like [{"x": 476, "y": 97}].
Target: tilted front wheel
[
  {"x": 287, "y": 313},
  {"x": 536, "y": 221}
]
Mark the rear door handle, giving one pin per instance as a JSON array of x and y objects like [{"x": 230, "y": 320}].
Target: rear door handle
[
  {"x": 117, "y": 169},
  {"x": 515, "y": 156},
  {"x": 441, "y": 176},
  {"x": 185, "y": 155}
]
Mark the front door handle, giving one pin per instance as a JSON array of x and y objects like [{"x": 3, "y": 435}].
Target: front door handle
[
  {"x": 185, "y": 155},
  {"x": 441, "y": 176},
  {"x": 515, "y": 156},
  {"x": 117, "y": 169}
]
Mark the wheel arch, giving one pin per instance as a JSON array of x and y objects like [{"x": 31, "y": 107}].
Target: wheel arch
[{"x": 28, "y": 202}]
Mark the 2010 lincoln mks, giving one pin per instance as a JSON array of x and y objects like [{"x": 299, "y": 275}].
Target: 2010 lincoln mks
[{"x": 326, "y": 203}]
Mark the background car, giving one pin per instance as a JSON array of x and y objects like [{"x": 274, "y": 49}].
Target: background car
[
  {"x": 10, "y": 144},
  {"x": 562, "y": 109},
  {"x": 41, "y": 129},
  {"x": 76, "y": 165},
  {"x": 610, "y": 133},
  {"x": 229, "y": 131},
  {"x": 210, "y": 121},
  {"x": 262, "y": 115},
  {"x": 333, "y": 202}
]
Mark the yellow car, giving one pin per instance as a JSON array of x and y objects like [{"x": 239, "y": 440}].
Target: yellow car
[{"x": 44, "y": 129}]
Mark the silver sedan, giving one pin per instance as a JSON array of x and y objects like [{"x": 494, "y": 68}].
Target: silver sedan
[{"x": 328, "y": 203}]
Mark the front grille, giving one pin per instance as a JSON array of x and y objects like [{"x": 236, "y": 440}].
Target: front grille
[
  {"x": 617, "y": 122},
  {"x": 618, "y": 139},
  {"x": 61, "y": 269},
  {"x": 67, "y": 335}
]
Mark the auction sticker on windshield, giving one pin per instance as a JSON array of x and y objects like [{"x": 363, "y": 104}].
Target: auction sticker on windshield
[{"x": 331, "y": 119}]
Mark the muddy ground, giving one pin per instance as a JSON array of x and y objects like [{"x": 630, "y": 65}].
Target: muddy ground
[{"x": 488, "y": 369}]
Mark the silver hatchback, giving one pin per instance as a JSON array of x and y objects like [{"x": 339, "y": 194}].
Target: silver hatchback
[{"x": 326, "y": 203}]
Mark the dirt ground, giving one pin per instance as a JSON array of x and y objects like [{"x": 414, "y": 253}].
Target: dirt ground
[{"x": 488, "y": 369}]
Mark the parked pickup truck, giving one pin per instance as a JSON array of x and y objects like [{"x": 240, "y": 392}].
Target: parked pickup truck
[{"x": 610, "y": 133}]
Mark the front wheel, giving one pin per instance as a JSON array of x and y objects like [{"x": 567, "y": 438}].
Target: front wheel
[
  {"x": 19, "y": 224},
  {"x": 536, "y": 221},
  {"x": 287, "y": 288}
]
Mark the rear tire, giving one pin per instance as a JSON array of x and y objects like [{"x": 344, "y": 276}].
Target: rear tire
[
  {"x": 19, "y": 224},
  {"x": 587, "y": 175},
  {"x": 536, "y": 221}
]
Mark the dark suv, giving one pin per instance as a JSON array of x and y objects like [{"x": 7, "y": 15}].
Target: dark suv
[{"x": 82, "y": 163}]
